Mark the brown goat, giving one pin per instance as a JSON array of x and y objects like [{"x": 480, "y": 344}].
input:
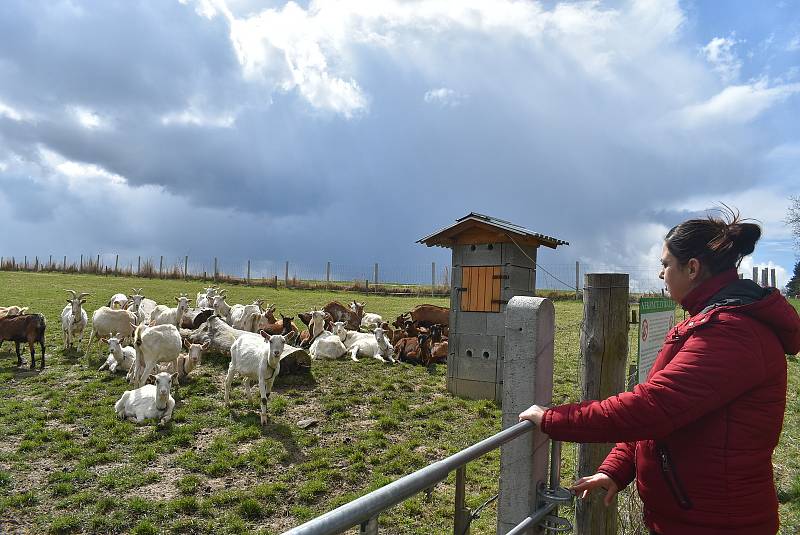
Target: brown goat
[
  {"x": 415, "y": 350},
  {"x": 339, "y": 312},
  {"x": 27, "y": 328},
  {"x": 428, "y": 315}
]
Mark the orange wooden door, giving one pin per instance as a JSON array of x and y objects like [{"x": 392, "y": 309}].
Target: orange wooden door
[{"x": 482, "y": 292}]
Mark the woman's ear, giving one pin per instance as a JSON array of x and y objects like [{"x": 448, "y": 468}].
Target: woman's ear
[{"x": 693, "y": 268}]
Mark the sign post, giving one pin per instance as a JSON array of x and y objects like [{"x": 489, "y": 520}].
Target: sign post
[{"x": 656, "y": 318}]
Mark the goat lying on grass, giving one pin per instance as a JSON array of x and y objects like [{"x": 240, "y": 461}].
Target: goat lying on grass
[{"x": 149, "y": 401}]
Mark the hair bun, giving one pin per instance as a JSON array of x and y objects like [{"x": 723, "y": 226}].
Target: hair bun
[{"x": 744, "y": 236}]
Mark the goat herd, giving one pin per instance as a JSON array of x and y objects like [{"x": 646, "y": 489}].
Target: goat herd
[{"x": 256, "y": 341}]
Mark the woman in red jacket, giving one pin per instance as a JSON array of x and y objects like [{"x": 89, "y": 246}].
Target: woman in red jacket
[{"x": 698, "y": 435}]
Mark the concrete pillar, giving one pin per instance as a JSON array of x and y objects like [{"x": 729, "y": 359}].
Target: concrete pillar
[{"x": 527, "y": 380}]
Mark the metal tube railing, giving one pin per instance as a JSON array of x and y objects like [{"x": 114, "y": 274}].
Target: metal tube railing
[{"x": 370, "y": 505}]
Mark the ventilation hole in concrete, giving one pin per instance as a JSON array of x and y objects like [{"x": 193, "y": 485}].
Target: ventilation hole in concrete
[
  {"x": 469, "y": 352},
  {"x": 491, "y": 246},
  {"x": 486, "y": 354},
  {"x": 471, "y": 247}
]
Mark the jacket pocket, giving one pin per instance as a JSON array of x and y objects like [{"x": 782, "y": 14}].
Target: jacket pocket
[{"x": 671, "y": 477}]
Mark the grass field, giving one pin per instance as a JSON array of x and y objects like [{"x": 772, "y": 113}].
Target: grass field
[{"x": 68, "y": 465}]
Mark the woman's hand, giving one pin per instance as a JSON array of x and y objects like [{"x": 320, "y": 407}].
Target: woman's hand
[
  {"x": 599, "y": 480},
  {"x": 533, "y": 413}
]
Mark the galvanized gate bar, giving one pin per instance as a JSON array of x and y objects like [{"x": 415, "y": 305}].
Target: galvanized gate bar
[{"x": 370, "y": 505}]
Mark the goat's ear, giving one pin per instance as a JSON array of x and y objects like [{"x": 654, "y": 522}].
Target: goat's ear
[
  {"x": 263, "y": 333},
  {"x": 103, "y": 340},
  {"x": 82, "y": 301},
  {"x": 206, "y": 345},
  {"x": 69, "y": 301},
  {"x": 173, "y": 376},
  {"x": 151, "y": 379},
  {"x": 186, "y": 343},
  {"x": 177, "y": 299}
]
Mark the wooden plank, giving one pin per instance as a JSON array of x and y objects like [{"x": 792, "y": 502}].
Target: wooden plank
[
  {"x": 464, "y": 297},
  {"x": 488, "y": 272},
  {"x": 496, "y": 290},
  {"x": 477, "y": 302}
]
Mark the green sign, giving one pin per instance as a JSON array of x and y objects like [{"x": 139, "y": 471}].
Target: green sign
[{"x": 656, "y": 318}]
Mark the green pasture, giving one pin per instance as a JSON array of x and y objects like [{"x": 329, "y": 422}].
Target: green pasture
[{"x": 67, "y": 465}]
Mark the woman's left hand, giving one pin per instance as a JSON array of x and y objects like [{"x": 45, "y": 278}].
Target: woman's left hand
[{"x": 534, "y": 413}]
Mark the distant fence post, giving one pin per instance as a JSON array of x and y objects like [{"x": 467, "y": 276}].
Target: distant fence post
[
  {"x": 604, "y": 352},
  {"x": 328, "y": 276},
  {"x": 433, "y": 279},
  {"x": 248, "y": 271},
  {"x": 215, "y": 269},
  {"x": 376, "y": 274},
  {"x": 116, "y": 265},
  {"x": 139, "y": 266},
  {"x": 366, "y": 286},
  {"x": 50, "y": 262},
  {"x": 80, "y": 267},
  {"x": 65, "y": 263},
  {"x": 577, "y": 280},
  {"x": 186, "y": 267},
  {"x": 275, "y": 282},
  {"x": 286, "y": 275},
  {"x": 161, "y": 267},
  {"x": 36, "y": 266},
  {"x": 527, "y": 380},
  {"x": 26, "y": 265},
  {"x": 97, "y": 264}
]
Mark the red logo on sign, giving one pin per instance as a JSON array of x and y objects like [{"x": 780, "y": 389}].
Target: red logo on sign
[{"x": 645, "y": 329}]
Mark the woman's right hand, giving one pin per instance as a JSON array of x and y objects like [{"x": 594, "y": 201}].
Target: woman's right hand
[{"x": 585, "y": 484}]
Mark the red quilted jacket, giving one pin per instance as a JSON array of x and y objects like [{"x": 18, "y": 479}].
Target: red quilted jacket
[{"x": 698, "y": 435}]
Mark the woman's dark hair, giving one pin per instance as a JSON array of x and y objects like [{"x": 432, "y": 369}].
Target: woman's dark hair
[{"x": 719, "y": 243}]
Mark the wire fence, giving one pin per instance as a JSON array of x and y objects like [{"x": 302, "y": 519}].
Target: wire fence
[{"x": 401, "y": 278}]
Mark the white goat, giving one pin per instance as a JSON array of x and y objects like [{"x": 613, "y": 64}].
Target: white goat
[
  {"x": 206, "y": 299},
  {"x": 107, "y": 321},
  {"x": 148, "y": 401},
  {"x": 246, "y": 317},
  {"x": 360, "y": 344},
  {"x": 328, "y": 345},
  {"x": 123, "y": 358},
  {"x": 370, "y": 320},
  {"x": 164, "y": 315},
  {"x": 253, "y": 357},
  {"x": 74, "y": 319},
  {"x": 118, "y": 301},
  {"x": 192, "y": 359},
  {"x": 135, "y": 305},
  {"x": 221, "y": 308},
  {"x": 154, "y": 344}
]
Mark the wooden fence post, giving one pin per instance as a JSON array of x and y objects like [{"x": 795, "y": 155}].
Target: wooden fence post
[
  {"x": 286, "y": 275},
  {"x": 80, "y": 267},
  {"x": 161, "y": 267},
  {"x": 116, "y": 264},
  {"x": 36, "y": 266},
  {"x": 97, "y": 266},
  {"x": 65, "y": 263},
  {"x": 577, "y": 280},
  {"x": 50, "y": 262},
  {"x": 26, "y": 267},
  {"x": 215, "y": 269},
  {"x": 139, "y": 266},
  {"x": 275, "y": 283},
  {"x": 376, "y": 274},
  {"x": 527, "y": 380},
  {"x": 328, "y": 276},
  {"x": 248, "y": 271},
  {"x": 604, "y": 352},
  {"x": 186, "y": 267},
  {"x": 433, "y": 279}
]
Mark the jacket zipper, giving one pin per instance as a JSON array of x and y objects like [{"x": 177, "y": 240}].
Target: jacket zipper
[{"x": 672, "y": 479}]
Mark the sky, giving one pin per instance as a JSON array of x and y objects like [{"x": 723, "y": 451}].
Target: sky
[{"x": 345, "y": 131}]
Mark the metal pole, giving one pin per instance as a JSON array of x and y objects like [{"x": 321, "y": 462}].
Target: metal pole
[
  {"x": 370, "y": 527},
  {"x": 577, "y": 280},
  {"x": 462, "y": 513}
]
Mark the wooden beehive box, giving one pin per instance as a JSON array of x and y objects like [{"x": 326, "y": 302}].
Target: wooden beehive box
[{"x": 493, "y": 260}]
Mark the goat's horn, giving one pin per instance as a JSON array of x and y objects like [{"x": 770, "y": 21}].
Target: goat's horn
[
  {"x": 83, "y": 294},
  {"x": 72, "y": 292}
]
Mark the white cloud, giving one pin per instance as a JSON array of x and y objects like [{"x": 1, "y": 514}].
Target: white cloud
[
  {"x": 794, "y": 44},
  {"x": 720, "y": 54},
  {"x": 444, "y": 97},
  {"x": 197, "y": 117},
  {"x": 88, "y": 118},
  {"x": 737, "y": 104},
  {"x": 11, "y": 113}
]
